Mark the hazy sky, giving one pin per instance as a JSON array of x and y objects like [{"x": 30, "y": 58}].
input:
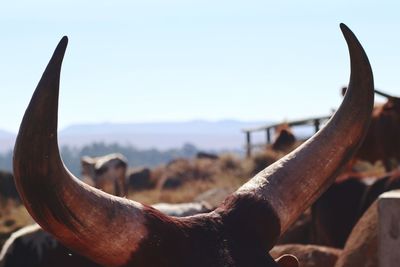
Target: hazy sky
[{"x": 159, "y": 60}]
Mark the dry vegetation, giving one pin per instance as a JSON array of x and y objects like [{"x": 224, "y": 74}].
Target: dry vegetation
[
  {"x": 187, "y": 192},
  {"x": 195, "y": 177},
  {"x": 228, "y": 172}
]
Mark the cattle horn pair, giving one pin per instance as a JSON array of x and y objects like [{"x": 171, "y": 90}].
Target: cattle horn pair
[{"x": 114, "y": 231}]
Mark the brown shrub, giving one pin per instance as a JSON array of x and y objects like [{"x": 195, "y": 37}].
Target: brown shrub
[{"x": 229, "y": 162}]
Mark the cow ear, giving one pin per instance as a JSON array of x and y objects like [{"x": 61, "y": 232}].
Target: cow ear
[{"x": 287, "y": 260}]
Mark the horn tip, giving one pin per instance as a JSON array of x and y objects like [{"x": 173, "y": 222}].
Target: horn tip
[
  {"x": 344, "y": 28},
  {"x": 62, "y": 45},
  {"x": 64, "y": 39}
]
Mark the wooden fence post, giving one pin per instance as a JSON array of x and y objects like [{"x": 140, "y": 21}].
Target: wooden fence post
[
  {"x": 389, "y": 229},
  {"x": 316, "y": 125},
  {"x": 268, "y": 135},
  {"x": 248, "y": 144}
]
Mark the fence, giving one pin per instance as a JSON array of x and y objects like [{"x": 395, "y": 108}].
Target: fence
[{"x": 316, "y": 122}]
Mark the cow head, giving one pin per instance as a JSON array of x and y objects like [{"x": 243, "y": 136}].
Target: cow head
[
  {"x": 88, "y": 170},
  {"x": 107, "y": 173},
  {"x": 118, "y": 232}
]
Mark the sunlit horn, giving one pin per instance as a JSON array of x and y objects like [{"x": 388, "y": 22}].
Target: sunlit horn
[
  {"x": 102, "y": 227},
  {"x": 293, "y": 183}
]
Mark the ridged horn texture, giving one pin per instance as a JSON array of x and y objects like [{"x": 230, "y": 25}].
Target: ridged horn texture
[
  {"x": 293, "y": 183},
  {"x": 79, "y": 215}
]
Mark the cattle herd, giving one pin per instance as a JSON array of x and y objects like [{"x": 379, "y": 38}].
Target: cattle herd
[{"x": 312, "y": 195}]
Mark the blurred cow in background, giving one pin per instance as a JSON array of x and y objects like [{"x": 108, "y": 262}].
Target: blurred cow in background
[
  {"x": 107, "y": 173},
  {"x": 337, "y": 211},
  {"x": 8, "y": 192},
  {"x": 32, "y": 246},
  {"x": 284, "y": 138},
  {"x": 382, "y": 141}
]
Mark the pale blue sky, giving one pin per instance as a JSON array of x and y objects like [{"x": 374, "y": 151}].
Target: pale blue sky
[{"x": 139, "y": 61}]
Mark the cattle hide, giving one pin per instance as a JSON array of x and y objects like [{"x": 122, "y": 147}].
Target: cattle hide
[
  {"x": 309, "y": 255},
  {"x": 361, "y": 249},
  {"x": 336, "y": 212}
]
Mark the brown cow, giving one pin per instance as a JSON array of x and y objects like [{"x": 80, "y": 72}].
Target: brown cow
[
  {"x": 361, "y": 248},
  {"x": 382, "y": 141},
  {"x": 336, "y": 212},
  {"x": 284, "y": 138},
  {"x": 114, "y": 231},
  {"x": 108, "y": 173}
]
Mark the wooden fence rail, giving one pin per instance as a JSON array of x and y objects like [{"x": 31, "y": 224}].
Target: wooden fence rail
[{"x": 316, "y": 122}]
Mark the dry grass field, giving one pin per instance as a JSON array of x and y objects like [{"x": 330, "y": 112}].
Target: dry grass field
[{"x": 198, "y": 176}]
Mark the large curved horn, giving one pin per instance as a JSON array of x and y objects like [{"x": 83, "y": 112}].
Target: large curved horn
[
  {"x": 77, "y": 214},
  {"x": 293, "y": 183}
]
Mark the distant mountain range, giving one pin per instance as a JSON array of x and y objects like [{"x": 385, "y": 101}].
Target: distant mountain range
[
  {"x": 219, "y": 135},
  {"x": 5, "y": 134},
  {"x": 7, "y": 140}
]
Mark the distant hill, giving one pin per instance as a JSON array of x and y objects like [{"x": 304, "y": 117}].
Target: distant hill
[
  {"x": 189, "y": 127},
  {"x": 218, "y": 135},
  {"x": 5, "y": 134},
  {"x": 7, "y": 140}
]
